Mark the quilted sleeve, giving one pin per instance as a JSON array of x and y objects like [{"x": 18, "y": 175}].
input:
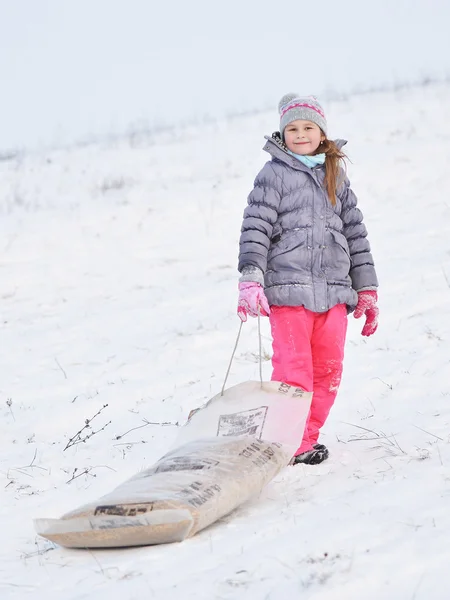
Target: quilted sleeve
[
  {"x": 260, "y": 216},
  {"x": 362, "y": 271}
]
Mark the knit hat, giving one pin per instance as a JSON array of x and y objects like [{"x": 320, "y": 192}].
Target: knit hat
[{"x": 292, "y": 107}]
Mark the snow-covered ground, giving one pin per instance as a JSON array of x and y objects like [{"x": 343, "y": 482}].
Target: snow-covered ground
[{"x": 118, "y": 292}]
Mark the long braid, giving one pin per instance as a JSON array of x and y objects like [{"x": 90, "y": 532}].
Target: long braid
[{"x": 334, "y": 174}]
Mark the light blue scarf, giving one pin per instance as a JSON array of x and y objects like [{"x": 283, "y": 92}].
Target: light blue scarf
[{"x": 309, "y": 161}]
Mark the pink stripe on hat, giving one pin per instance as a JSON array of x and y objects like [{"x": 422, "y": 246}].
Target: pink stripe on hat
[{"x": 302, "y": 105}]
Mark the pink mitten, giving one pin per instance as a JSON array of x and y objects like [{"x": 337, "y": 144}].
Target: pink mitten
[
  {"x": 251, "y": 295},
  {"x": 367, "y": 305}
]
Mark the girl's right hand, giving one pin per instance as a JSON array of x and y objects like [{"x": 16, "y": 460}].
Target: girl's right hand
[
  {"x": 367, "y": 305},
  {"x": 251, "y": 296}
]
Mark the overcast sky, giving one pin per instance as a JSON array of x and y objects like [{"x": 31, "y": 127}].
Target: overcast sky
[{"x": 70, "y": 69}]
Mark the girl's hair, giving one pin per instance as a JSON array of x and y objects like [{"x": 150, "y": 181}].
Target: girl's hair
[{"x": 334, "y": 167}]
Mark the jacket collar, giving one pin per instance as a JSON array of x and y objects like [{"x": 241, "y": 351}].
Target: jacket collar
[{"x": 277, "y": 149}]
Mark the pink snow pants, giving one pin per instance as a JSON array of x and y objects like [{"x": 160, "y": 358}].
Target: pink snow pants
[{"x": 308, "y": 350}]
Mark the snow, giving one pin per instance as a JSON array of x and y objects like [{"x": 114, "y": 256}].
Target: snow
[{"x": 118, "y": 290}]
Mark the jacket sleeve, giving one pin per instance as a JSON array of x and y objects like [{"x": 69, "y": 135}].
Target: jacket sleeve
[
  {"x": 362, "y": 270},
  {"x": 260, "y": 216}
]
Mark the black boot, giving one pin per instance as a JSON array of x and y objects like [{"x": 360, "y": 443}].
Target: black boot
[{"x": 318, "y": 454}]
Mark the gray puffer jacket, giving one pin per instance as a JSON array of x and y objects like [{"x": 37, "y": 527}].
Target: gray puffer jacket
[{"x": 304, "y": 250}]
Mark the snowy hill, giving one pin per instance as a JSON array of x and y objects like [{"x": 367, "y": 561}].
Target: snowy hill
[{"x": 118, "y": 292}]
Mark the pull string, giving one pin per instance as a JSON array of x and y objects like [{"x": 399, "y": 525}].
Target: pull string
[
  {"x": 232, "y": 356},
  {"x": 234, "y": 352}
]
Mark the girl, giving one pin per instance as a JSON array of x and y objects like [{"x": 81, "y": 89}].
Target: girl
[{"x": 305, "y": 260}]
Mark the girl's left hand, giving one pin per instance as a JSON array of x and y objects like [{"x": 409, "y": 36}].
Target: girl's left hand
[
  {"x": 252, "y": 300},
  {"x": 367, "y": 305}
]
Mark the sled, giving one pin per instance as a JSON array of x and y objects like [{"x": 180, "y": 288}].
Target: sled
[{"x": 228, "y": 450}]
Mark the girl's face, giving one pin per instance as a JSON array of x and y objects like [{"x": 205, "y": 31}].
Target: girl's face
[{"x": 303, "y": 137}]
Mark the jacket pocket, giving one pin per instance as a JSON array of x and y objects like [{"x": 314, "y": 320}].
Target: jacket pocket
[
  {"x": 336, "y": 256},
  {"x": 341, "y": 241},
  {"x": 286, "y": 242}
]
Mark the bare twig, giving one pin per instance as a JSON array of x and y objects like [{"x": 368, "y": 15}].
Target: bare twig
[
  {"x": 34, "y": 458},
  {"x": 429, "y": 433},
  {"x": 163, "y": 423},
  {"x": 30, "y": 466},
  {"x": 99, "y": 565},
  {"x": 130, "y": 444},
  {"x": 363, "y": 428},
  {"x": 146, "y": 423},
  {"x": 39, "y": 551},
  {"x": 9, "y": 405},
  {"x": 387, "y": 384},
  {"x": 396, "y": 443},
  {"x": 417, "y": 586},
  {"x": 381, "y": 437},
  {"x": 119, "y": 437},
  {"x": 363, "y": 439},
  {"x": 390, "y": 467},
  {"x": 87, "y": 471},
  {"x": 78, "y": 437},
  {"x": 63, "y": 372}
]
